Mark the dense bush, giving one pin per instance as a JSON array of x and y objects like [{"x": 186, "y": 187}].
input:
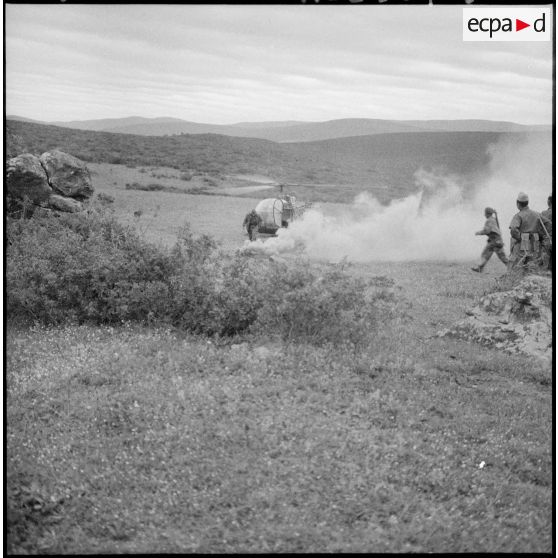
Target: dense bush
[
  {"x": 90, "y": 268},
  {"x": 153, "y": 187},
  {"x": 83, "y": 268},
  {"x": 105, "y": 199},
  {"x": 323, "y": 308},
  {"x": 222, "y": 296}
]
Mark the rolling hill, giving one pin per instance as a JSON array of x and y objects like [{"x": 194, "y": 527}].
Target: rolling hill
[
  {"x": 382, "y": 163},
  {"x": 106, "y": 124},
  {"x": 290, "y": 131}
]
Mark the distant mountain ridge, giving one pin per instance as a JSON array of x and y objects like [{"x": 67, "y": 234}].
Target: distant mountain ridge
[
  {"x": 105, "y": 125},
  {"x": 288, "y": 131}
]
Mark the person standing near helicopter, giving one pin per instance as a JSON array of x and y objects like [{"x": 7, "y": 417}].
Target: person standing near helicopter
[{"x": 252, "y": 222}]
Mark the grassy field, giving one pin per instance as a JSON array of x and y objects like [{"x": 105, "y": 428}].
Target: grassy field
[
  {"x": 141, "y": 440},
  {"x": 161, "y": 214},
  {"x": 158, "y": 215},
  {"x": 137, "y": 439}
]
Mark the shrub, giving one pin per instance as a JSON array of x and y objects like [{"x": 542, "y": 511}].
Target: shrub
[
  {"x": 245, "y": 293},
  {"x": 105, "y": 199},
  {"x": 332, "y": 308},
  {"x": 225, "y": 297},
  {"x": 197, "y": 190},
  {"x": 84, "y": 268},
  {"x": 17, "y": 208},
  {"x": 210, "y": 181},
  {"x": 147, "y": 187},
  {"x": 90, "y": 268},
  {"x": 153, "y": 187}
]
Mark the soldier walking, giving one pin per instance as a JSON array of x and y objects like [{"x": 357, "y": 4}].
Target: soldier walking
[
  {"x": 252, "y": 221},
  {"x": 494, "y": 243}
]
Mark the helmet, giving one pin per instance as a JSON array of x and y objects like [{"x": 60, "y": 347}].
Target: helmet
[
  {"x": 522, "y": 197},
  {"x": 489, "y": 211}
]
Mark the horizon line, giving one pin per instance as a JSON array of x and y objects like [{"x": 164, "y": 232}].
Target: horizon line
[{"x": 238, "y": 123}]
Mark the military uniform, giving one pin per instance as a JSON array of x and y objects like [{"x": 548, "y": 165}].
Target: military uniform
[
  {"x": 494, "y": 244},
  {"x": 546, "y": 248},
  {"x": 525, "y": 229},
  {"x": 547, "y": 214},
  {"x": 252, "y": 222}
]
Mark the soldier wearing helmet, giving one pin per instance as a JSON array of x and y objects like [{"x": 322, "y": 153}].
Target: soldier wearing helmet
[
  {"x": 525, "y": 228},
  {"x": 494, "y": 243}
]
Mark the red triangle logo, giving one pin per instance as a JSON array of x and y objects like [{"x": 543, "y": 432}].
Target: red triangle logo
[{"x": 519, "y": 25}]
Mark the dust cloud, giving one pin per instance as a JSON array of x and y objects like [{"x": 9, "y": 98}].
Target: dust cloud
[{"x": 435, "y": 224}]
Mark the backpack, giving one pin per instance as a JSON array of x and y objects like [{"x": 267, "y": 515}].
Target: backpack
[{"x": 254, "y": 220}]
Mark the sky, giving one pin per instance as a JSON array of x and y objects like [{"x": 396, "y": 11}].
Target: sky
[{"x": 223, "y": 64}]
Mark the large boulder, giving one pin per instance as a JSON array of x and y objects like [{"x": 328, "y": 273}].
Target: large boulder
[
  {"x": 67, "y": 175},
  {"x": 26, "y": 178},
  {"x": 515, "y": 321},
  {"x": 55, "y": 180}
]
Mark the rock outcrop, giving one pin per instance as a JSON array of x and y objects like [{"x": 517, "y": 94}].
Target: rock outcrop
[
  {"x": 67, "y": 175},
  {"x": 55, "y": 180},
  {"x": 516, "y": 321},
  {"x": 26, "y": 177}
]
